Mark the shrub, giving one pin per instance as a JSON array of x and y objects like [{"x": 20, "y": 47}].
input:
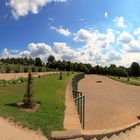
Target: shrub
[
  {"x": 7, "y": 69},
  {"x": 25, "y": 69},
  {"x": 33, "y": 69},
  {"x": 60, "y": 77}
]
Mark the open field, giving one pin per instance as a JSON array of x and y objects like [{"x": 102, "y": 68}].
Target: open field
[
  {"x": 11, "y": 76},
  {"x": 109, "y": 104},
  {"x": 49, "y": 91}
]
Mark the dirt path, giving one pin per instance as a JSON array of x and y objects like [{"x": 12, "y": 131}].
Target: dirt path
[
  {"x": 10, "y": 76},
  {"x": 109, "y": 104},
  {"x": 9, "y": 131}
]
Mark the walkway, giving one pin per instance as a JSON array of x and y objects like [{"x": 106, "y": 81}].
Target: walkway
[
  {"x": 9, "y": 131},
  {"x": 109, "y": 104}
]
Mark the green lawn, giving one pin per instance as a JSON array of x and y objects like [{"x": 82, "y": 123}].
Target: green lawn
[
  {"x": 132, "y": 80},
  {"x": 49, "y": 91}
]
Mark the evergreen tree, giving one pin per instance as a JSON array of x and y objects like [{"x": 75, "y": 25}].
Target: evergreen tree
[{"x": 28, "y": 96}]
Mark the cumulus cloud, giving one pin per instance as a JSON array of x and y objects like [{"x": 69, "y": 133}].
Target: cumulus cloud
[
  {"x": 129, "y": 43},
  {"x": 5, "y": 53},
  {"x": 106, "y": 15},
  {"x": 120, "y": 22},
  {"x": 61, "y": 30},
  {"x": 125, "y": 37},
  {"x": 23, "y": 7},
  {"x": 95, "y": 38},
  {"x": 137, "y": 31},
  {"x": 133, "y": 46},
  {"x": 36, "y": 50}
]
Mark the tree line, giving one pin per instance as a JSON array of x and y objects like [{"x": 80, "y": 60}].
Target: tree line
[{"x": 36, "y": 64}]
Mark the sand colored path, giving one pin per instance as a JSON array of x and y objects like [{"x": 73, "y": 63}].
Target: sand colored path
[
  {"x": 109, "y": 104},
  {"x": 9, "y": 131},
  {"x": 10, "y": 76}
]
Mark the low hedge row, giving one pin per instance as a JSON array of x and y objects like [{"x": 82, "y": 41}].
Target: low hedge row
[{"x": 76, "y": 79}]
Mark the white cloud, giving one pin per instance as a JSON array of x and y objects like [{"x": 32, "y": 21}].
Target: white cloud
[
  {"x": 23, "y": 7},
  {"x": 106, "y": 15},
  {"x": 5, "y": 53},
  {"x": 137, "y": 31},
  {"x": 95, "y": 38},
  {"x": 62, "y": 30},
  {"x": 83, "y": 35},
  {"x": 125, "y": 37},
  {"x": 133, "y": 46},
  {"x": 36, "y": 50},
  {"x": 120, "y": 22}
]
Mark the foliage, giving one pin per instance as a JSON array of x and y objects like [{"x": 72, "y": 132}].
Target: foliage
[
  {"x": 76, "y": 79},
  {"x": 135, "y": 69},
  {"x": 51, "y": 59},
  {"x": 38, "y": 62},
  {"x": 28, "y": 96},
  {"x": 60, "y": 76},
  {"x": 36, "y": 65}
]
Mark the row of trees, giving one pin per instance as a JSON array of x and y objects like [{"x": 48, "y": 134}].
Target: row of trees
[
  {"x": 36, "y": 65},
  {"x": 23, "y": 61},
  {"x": 113, "y": 70}
]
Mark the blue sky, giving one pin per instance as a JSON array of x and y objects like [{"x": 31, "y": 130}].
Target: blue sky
[{"x": 89, "y": 31}]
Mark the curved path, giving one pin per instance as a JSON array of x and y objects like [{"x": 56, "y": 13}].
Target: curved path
[
  {"x": 10, "y": 131},
  {"x": 109, "y": 104}
]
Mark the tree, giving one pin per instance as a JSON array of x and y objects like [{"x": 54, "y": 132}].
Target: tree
[
  {"x": 51, "y": 59},
  {"x": 28, "y": 101},
  {"x": 38, "y": 62},
  {"x": 135, "y": 69}
]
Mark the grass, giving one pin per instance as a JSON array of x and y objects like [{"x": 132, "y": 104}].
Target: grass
[
  {"x": 49, "y": 91},
  {"x": 132, "y": 80}
]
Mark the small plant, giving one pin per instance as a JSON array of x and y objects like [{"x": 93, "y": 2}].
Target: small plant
[
  {"x": 28, "y": 101},
  {"x": 60, "y": 77},
  {"x": 68, "y": 73}
]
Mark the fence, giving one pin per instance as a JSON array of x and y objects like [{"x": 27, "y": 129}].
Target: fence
[{"x": 79, "y": 98}]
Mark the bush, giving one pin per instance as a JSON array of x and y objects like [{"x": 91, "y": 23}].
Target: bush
[
  {"x": 60, "y": 77},
  {"x": 33, "y": 69},
  {"x": 7, "y": 69},
  {"x": 25, "y": 69},
  {"x": 76, "y": 79}
]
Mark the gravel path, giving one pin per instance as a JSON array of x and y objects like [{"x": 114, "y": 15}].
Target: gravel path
[
  {"x": 9, "y": 131},
  {"x": 10, "y": 76},
  {"x": 109, "y": 104}
]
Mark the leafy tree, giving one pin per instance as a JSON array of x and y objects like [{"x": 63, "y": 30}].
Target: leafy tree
[
  {"x": 135, "y": 69},
  {"x": 51, "y": 59},
  {"x": 38, "y": 62}
]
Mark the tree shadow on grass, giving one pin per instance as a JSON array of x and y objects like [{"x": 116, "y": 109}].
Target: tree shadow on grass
[
  {"x": 12, "y": 105},
  {"x": 15, "y": 105}
]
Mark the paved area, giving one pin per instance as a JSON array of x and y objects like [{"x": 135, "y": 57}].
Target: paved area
[
  {"x": 71, "y": 119},
  {"x": 9, "y": 131},
  {"x": 109, "y": 104}
]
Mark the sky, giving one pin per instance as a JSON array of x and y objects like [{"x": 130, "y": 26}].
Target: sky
[{"x": 99, "y": 32}]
